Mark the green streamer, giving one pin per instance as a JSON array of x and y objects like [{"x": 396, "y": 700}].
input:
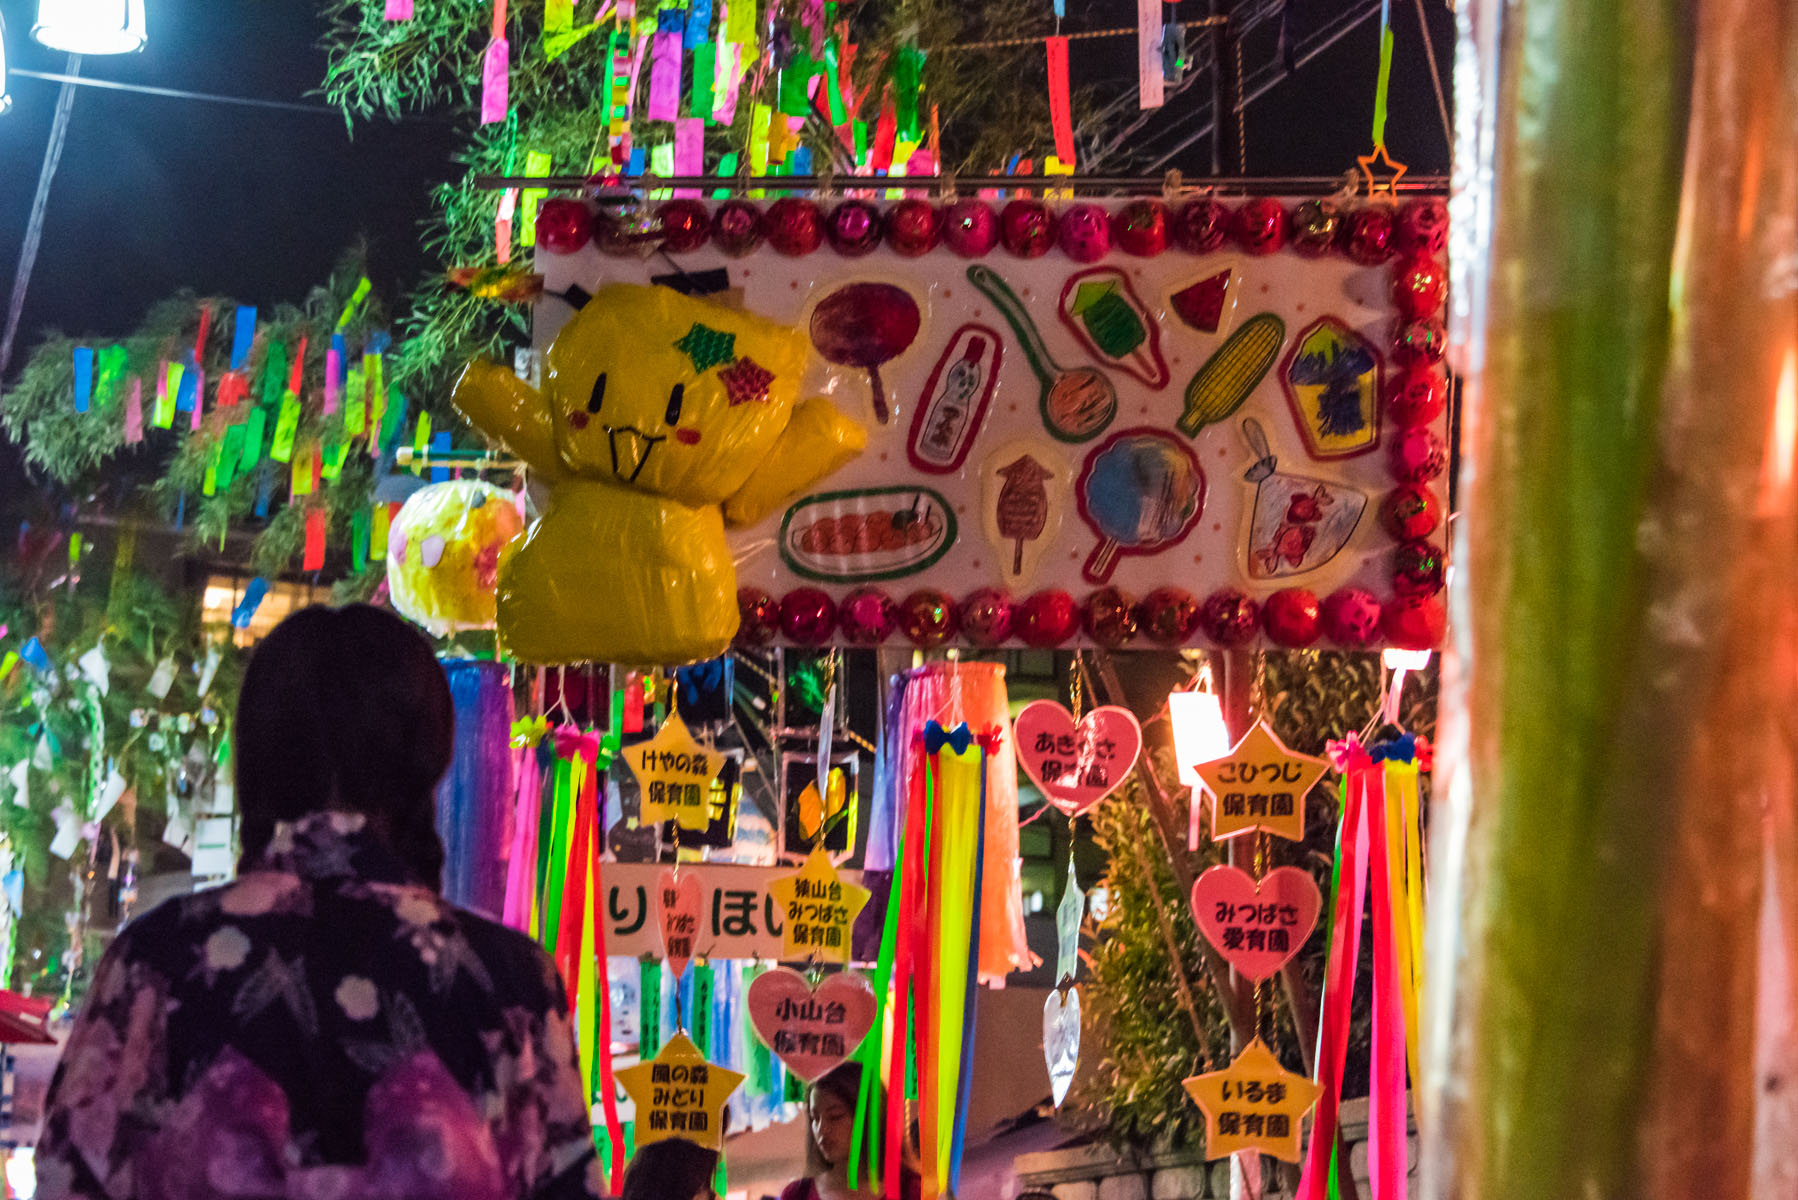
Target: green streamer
[
  {"x": 649, "y": 1006},
  {"x": 1382, "y": 86},
  {"x": 699, "y": 98}
]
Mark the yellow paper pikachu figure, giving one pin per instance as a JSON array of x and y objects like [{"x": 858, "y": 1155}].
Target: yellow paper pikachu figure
[{"x": 661, "y": 418}]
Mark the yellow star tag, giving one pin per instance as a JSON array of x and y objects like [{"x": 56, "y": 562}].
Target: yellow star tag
[
  {"x": 674, "y": 776},
  {"x": 679, "y": 1094},
  {"x": 1260, "y": 785},
  {"x": 1253, "y": 1104},
  {"x": 819, "y": 909}
]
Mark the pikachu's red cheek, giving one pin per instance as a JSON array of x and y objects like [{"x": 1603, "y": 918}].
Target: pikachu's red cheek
[
  {"x": 578, "y": 419},
  {"x": 687, "y": 437}
]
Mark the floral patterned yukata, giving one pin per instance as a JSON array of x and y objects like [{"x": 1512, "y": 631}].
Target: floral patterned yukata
[{"x": 323, "y": 1028}]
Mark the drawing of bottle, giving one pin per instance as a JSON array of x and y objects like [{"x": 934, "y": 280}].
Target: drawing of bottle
[{"x": 950, "y": 409}]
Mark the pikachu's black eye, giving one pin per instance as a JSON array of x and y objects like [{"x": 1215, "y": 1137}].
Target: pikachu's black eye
[
  {"x": 672, "y": 416},
  {"x": 599, "y": 394}
]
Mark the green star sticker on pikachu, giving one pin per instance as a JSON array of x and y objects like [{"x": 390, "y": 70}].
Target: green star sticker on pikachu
[{"x": 662, "y": 418}]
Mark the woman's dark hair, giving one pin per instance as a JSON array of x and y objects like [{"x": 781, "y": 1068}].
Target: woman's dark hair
[
  {"x": 346, "y": 709},
  {"x": 671, "y": 1169}
]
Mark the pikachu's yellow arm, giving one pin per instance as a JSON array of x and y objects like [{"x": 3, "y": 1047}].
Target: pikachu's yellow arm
[
  {"x": 504, "y": 407},
  {"x": 817, "y": 440}
]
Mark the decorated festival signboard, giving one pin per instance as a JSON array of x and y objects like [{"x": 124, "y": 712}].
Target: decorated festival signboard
[
  {"x": 740, "y": 916},
  {"x": 1246, "y": 436}
]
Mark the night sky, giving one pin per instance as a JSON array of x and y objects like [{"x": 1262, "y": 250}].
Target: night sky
[{"x": 156, "y": 194}]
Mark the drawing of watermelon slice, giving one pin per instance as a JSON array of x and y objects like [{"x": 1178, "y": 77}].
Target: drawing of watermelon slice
[{"x": 1202, "y": 305}]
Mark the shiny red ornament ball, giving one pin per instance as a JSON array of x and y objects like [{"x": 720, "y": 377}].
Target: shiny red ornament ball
[
  {"x": 758, "y": 617},
  {"x": 1027, "y": 228},
  {"x": 1419, "y": 287},
  {"x": 1316, "y": 224},
  {"x": 563, "y": 225},
  {"x": 1351, "y": 617},
  {"x": 1169, "y": 615},
  {"x": 1140, "y": 228},
  {"x": 737, "y": 227},
  {"x": 1109, "y": 620},
  {"x": 795, "y": 227},
  {"x": 807, "y": 615},
  {"x": 970, "y": 228},
  {"x": 1084, "y": 233},
  {"x": 1417, "y": 456},
  {"x": 928, "y": 617},
  {"x": 853, "y": 228},
  {"x": 1416, "y": 397},
  {"x": 1410, "y": 511},
  {"x": 986, "y": 617},
  {"x": 1293, "y": 617},
  {"x": 1368, "y": 236},
  {"x": 1261, "y": 225},
  {"x": 1047, "y": 618},
  {"x": 1418, "y": 569},
  {"x": 1422, "y": 228},
  {"x": 867, "y": 617},
  {"x": 1419, "y": 343},
  {"x": 1229, "y": 617},
  {"x": 1415, "y": 622},
  {"x": 1201, "y": 226},
  {"x": 685, "y": 225},
  {"x": 913, "y": 227}
]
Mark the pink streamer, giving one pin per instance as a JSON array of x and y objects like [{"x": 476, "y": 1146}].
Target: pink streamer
[
  {"x": 521, "y": 874},
  {"x": 399, "y": 10},
  {"x": 689, "y": 152},
  {"x": 730, "y": 76},
  {"x": 1386, "y": 1093},
  {"x": 134, "y": 413},
  {"x": 1339, "y": 984},
  {"x": 637, "y": 56},
  {"x": 333, "y": 365},
  {"x": 494, "y": 96},
  {"x": 664, "y": 77}
]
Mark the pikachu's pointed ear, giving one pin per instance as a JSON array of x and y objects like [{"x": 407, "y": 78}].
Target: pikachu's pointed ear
[
  {"x": 503, "y": 406},
  {"x": 817, "y": 440}
]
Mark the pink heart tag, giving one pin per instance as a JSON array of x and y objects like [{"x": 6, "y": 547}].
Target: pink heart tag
[
  {"x": 679, "y": 912},
  {"x": 1076, "y": 766},
  {"x": 1256, "y": 930},
  {"x": 809, "y": 1030}
]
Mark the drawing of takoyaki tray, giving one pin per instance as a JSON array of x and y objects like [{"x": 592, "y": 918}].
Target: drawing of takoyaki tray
[{"x": 866, "y": 534}]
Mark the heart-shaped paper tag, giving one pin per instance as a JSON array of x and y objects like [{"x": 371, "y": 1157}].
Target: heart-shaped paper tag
[
  {"x": 809, "y": 1030},
  {"x": 1076, "y": 765},
  {"x": 1061, "y": 1039},
  {"x": 1256, "y": 929},
  {"x": 679, "y": 912}
]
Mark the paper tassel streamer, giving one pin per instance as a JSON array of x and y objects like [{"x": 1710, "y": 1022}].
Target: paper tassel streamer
[
  {"x": 1150, "y": 82},
  {"x": 84, "y": 377},
  {"x": 475, "y": 798},
  {"x": 494, "y": 96},
  {"x": 664, "y": 73},
  {"x": 1061, "y": 117},
  {"x": 243, "y": 336}
]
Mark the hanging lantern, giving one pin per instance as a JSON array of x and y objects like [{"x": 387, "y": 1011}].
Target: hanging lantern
[
  {"x": 1199, "y": 732},
  {"x": 90, "y": 26}
]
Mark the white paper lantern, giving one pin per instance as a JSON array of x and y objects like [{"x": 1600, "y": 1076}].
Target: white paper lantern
[{"x": 90, "y": 26}]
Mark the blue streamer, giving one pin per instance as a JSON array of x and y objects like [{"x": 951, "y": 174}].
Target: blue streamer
[
  {"x": 84, "y": 377},
  {"x": 699, "y": 24},
  {"x": 245, "y": 612},
  {"x": 440, "y": 446},
  {"x": 242, "y": 336},
  {"x": 474, "y": 797}
]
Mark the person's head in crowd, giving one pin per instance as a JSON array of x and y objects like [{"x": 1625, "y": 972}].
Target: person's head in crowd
[{"x": 346, "y": 709}]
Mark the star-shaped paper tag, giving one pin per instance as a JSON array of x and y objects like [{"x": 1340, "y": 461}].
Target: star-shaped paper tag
[
  {"x": 679, "y": 1094},
  {"x": 819, "y": 909},
  {"x": 1253, "y": 1104},
  {"x": 674, "y": 775},
  {"x": 1260, "y": 785},
  {"x": 1383, "y": 182}
]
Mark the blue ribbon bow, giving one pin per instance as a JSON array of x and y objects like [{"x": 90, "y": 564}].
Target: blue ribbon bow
[{"x": 936, "y": 737}]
